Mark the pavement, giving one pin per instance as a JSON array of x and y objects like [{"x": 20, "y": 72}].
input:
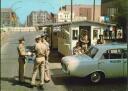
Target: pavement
[
  {"x": 5, "y": 36},
  {"x": 59, "y": 81}
]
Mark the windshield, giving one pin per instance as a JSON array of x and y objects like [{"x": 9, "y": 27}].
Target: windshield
[{"x": 92, "y": 52}]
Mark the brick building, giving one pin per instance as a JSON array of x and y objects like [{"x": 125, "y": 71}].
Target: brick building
[
  {"x": 37, "y": 18},
  {"x": 84, "y": 11},
  {"x": 109, "y": 9}
]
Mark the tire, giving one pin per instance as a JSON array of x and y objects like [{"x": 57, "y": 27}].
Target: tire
[{"x": 96, "y": 77}]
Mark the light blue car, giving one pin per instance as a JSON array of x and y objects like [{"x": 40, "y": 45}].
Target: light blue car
[{"x": 101, "y": 61}]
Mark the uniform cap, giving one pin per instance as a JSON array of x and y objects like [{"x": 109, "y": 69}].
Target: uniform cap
[
  {"x": 43, "y": 35},
  {"x": 21, "y": 39},
  {"x": 38, "y": 36}
]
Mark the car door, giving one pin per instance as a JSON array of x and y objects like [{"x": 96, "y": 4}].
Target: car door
[
  {"x": 111, "y": 63},
  {"x": 125, "y": 63}
]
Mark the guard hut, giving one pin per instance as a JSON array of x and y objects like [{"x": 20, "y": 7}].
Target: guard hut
[{"x": 70, "y": 32}]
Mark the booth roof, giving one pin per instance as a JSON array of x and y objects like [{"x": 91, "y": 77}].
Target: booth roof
[{"x": 76, "y": 22}]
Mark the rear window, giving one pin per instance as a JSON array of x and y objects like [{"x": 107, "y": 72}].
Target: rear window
[{"x": 115, "y": 54}]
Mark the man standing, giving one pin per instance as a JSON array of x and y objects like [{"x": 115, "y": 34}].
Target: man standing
[
  {"x": 47, "y": 73},
  {"x": 101, "y": 40},
  {"x": 22, "y": 53},
  {"x": 84, "y": 40},
  {"x": 40, "y": 52}
]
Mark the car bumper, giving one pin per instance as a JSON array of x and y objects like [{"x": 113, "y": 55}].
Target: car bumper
[{"x": 65, "y": 69}]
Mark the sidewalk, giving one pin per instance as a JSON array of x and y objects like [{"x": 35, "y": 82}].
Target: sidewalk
[{"x": 5, "y": 36}]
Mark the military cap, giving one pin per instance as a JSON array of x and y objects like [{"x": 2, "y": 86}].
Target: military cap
[
  {"x": 43, "y": 35},
  {"x": 38, "y": 36},
  {"x": 21, "y": 39}
]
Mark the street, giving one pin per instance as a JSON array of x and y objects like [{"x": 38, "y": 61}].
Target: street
[{"x": 59, "y": 81}]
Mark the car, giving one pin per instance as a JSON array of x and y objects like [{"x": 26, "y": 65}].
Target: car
[
  {"x": 30, "y": 58},
  {"x": 101, "y": 61}
]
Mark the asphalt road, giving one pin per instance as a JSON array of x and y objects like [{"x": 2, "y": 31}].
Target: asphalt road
[{"x": 59, "y": 82}]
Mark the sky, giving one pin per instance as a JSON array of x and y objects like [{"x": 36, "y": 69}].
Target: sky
[{"x": 24, "y": 7}]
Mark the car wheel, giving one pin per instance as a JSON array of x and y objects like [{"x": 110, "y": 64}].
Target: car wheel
[{"x": 95, "y": 77}]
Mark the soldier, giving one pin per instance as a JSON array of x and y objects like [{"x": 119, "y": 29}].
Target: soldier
[
  {"x": 22, "y": 53},
  {"x": 40, "y": 52},
  {"x": 47, "y": 73},
  {"x": 101, "y": 40},
  {"x": 77, "y": 49},
  {"x": 84, "y": 40}
]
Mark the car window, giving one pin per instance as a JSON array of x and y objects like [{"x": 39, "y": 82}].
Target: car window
[
  {"x": 92, "y": 52},
  {"x": 113, "y": 54},
  {"x": 124, "y": 52}
]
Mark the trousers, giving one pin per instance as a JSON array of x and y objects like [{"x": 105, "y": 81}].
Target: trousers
[
  {"x": 47, "y": 73},
  {"x": 21, "y": 68},
  {"x": 39, "y": 64}
]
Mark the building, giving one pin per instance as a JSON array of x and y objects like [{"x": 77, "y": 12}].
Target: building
[
  {"x": 8, "y": 18},
  {"x": 117, "y": 11},
  {"x": 83, "y": 12},
  {"x": 37, "y": 18},
  {"x": 109, "y": 9},
  {"x": 64, "y": 16}
]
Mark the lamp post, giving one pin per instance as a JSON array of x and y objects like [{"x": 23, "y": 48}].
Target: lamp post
[
  {"x": 13, "y": 15},
  {"x": 17, "y": 19},
  {"x": 71, "y": 9},
  {"x": 15, "y": 4},
  {"x": 94, "y": 10}
]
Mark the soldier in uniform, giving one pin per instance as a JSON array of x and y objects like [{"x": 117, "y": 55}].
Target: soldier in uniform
[
  {"x": 77, "y": 49},
  {"x": 41, "y": 53},
  {"x": 84, "y": 41},
  {"x": 101, "y": 40},
  {"x": 22, "y": 53},
  {"x": 47, "y": 73}
]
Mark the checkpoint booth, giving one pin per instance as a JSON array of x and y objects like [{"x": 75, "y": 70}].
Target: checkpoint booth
[{"x": 66, "y": 36}]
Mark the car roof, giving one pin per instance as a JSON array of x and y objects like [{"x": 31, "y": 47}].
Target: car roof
[{"x": 111, "y": 46}]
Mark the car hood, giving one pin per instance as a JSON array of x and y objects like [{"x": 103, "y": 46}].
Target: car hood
[{"x": 77, "y": 58}]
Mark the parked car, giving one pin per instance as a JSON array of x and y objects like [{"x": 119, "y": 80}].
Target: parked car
[
  {"x": 30, "y": 58},
  {"x": 101, "y": 61}
]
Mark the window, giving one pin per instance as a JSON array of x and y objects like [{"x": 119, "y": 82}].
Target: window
[
  {"x": 114, "y": 54},
  {"x": 95, "y": 34},
  {"x": 75, "y": 34},
  {"x": 124, "y": 52},
  {"x": 92, "y": 52}
]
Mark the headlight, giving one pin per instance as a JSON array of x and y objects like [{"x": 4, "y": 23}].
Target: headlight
[{"x": 65, "y": 67}]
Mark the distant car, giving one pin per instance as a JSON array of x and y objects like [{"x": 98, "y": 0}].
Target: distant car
[
  {"x": 30, "y": 58},
  {"x": 101, "y": 61}
]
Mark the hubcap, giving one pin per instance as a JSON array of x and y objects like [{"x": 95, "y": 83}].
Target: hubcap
[{"x": 95, "y": 77}]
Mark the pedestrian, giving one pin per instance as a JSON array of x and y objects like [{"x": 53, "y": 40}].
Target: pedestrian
[
  {"x": 22, "y": 53},
  {"x": 110, "y": 32},
  {"x": 107, "y": 32},
  {"x": 119, "y": 34},
  {"x": 47, "y": 72},
  {"x": 77, "y": 49},
  {"x": 100, "y": 40},
  {"x": 41, "y": 53},
  {"x": 84, "y": 41}
]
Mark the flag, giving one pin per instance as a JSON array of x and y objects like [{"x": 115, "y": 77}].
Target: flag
[
  {"x": 13, "y": 16},
  {"x": 52, "y": 17}
]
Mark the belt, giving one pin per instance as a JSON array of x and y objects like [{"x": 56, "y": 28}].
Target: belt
[
  {"x": 20, "y": 56},
  {"x": 38, "y": 56}
]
